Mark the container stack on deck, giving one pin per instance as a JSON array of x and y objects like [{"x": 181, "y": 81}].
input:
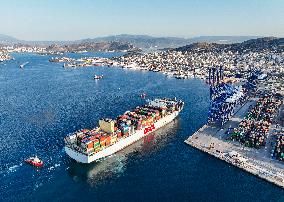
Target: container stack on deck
[{"x": 110, "y": 131}]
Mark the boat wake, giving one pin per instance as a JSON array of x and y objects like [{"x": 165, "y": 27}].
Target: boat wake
[
  {"x": 14, "y": 168},
  {"x": 37, "y": 186},
  {"x": 53, "y": 167},
  {"x": 10, "y": 169}
]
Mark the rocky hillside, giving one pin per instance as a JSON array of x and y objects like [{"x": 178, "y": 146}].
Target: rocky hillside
[
  {"x": 92, "y": 46},
  {"x": 8, "y": 40},
  {"x": 254, "y": 45},
  {"x": 202, "y": 46},
  {"x": 266, "y": 43},
  {"x": 150, "y": 42}
]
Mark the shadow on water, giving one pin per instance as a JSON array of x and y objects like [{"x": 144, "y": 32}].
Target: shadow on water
[{"x": 114, "y": 166}]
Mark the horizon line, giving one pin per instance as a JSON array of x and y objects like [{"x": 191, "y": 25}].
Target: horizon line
[{"x": 147, "y": 35}]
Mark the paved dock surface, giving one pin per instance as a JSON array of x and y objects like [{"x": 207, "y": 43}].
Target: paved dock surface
[{"x": 215, "y": 141}]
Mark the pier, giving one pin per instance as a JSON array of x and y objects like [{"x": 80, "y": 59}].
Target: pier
[{"x": 214, "y": 141}]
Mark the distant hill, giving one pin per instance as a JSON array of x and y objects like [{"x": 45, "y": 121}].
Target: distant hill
[
  {"x": 150, "y": 42},
  {"x": 139, "y": 41},
  {"x": 92, "y": 46},
  {"x": 5, "y": 39},
  {"x": 202, "y": 46},
  {"x": 271, "y": 43},
  {"x": 222, "y": 39},
  {"x": 143, "y": 41},
  {"x": 259, "y": 44}
]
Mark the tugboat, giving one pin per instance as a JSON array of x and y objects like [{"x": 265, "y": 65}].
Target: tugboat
[
  {"x": 34, "y": 161},
  {"x": 98, "y": 77}
]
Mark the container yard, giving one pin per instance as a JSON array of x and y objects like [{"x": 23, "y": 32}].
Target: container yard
[
  {"x": 278, "y": 152},
  {"x": 253, "y": 129},
  {"x": 112, "y": 135}
]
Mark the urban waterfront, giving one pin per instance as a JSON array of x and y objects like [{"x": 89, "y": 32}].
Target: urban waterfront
[{"x": 43, "y": 102}]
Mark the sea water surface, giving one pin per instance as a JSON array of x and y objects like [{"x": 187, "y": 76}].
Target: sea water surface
[{"x": 43, "y": 102}]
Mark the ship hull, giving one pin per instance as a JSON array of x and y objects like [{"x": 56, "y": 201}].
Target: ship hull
[{"x": 124, "y": 142}]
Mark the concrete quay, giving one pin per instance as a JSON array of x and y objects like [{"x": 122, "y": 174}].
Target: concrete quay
[{"x": 215, "y": 141}]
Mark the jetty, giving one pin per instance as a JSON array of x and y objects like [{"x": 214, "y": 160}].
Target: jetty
[{"x": 215, "y": 141}]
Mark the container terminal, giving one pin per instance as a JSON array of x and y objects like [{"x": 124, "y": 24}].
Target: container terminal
[{"x": 249, "y": 134}]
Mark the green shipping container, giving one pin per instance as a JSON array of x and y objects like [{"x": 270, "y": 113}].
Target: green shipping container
[
  {"x": 95, "y": 146},
  {"x": 96, "y": 143}
]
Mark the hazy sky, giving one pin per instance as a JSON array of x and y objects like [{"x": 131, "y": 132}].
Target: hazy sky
[{"x": 77, "y": 19}]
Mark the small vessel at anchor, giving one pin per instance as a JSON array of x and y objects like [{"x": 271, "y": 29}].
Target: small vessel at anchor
[{"x": 97, "y": 77}]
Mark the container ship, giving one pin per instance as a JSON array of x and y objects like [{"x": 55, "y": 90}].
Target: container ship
[{"x": 112, "y": 135}]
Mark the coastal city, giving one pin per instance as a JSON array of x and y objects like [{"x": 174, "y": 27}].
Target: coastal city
[
  {"x": 195, "y": 61},
  {"x": 257, "y": 125},
  {"x": 142, "y": 101}
]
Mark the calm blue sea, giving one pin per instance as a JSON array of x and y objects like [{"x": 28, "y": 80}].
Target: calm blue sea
[{"x": 42, "y": 103}]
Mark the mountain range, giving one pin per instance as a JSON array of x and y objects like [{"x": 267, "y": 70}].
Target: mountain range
[{"x": 139, "y": 41}]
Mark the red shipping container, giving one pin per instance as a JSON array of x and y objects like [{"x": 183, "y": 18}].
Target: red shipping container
[
  {"x": 98, "y": 136},
  {"x": 108, "y": 138},
  {"x": 92, "y": 138},
  {"x": 96, "y": 140},
  {"x": 90, "y": 145}
]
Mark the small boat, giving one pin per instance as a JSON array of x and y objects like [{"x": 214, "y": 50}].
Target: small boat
[
  {"x": 97, "y": 64},
  {"x": 34, "y": 161},
  {"x": 181, "y": 76},
  {"x": 22, "y": 65},
  {"x": 143, "y": 95},
  {"x": 98, "y": 77}
]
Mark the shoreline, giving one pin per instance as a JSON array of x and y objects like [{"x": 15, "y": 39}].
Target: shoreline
[{"x": 248, "y": 167}]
